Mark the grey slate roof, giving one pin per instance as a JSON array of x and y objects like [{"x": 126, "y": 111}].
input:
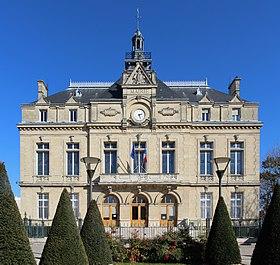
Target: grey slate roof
[{"x": 164, "y": 92}]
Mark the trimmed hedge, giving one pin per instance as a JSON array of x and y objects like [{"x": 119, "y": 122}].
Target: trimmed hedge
[
  {"x": 222, "y": 247},
  {"x": 14, "y": 243},
  {"x": 267, "y": 249},
  {"x": 64, "y": 245},
  {"x": 94, "y": 237}
]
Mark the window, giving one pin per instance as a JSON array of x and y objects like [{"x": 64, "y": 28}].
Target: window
[
  {"x": 205, "y": 115},
  {"x": 73, "y": 159},
  {"x": 235, "y": 116},
  {"x": 42, "y": 159},
  {"x": 43, "y": 115},
  {"x": 110, "y": 153},
  {"x": 168, "y": 157},
  {"x": 73, "y": 115},
  {"x": 139, "y": 156},
  {"x": 206, "y": 158},
  {"x": 74, "y": 197},
  {"x": 236, "y": 203},
  {"x": 43, "y": 205},
  {"x": 236, "y": 158},
  {"x": 206, "y": 205}
]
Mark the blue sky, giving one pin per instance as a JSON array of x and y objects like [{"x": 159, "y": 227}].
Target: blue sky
[{"x": 86, "y": 41}]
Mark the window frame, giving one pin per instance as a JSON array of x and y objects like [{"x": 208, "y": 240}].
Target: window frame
[
  {"x": 73, "y": 115},
  {"x": 205, "y": 114},
  {"x": 45, "y": 151},
  {"x": 168, "y": 149},
  {"x": 112, "y": 150},
  {"x": 73, "y": 150},
  {"x": 235, "y": 149},
  {"x": 204, "y": 148},
  {"x": 204, "y": 199},
  {"x": 140, "y": 147},
  {"x": 43, "y": 115},
  {"x": 43, "y": 214},
  {"x": 234, "y": 205},
  {"x": 235, "y": 117}
]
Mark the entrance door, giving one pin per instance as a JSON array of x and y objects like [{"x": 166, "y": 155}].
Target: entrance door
[
  {"x": 168, "y": 211},
  {"x": 110, "y": 211},
  {"x": 139, "y": 211}
]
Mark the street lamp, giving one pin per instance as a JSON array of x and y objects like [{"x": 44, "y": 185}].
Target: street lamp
[
  {"x": 221, "y": 165},
  {"x": 90, "y": 162}
]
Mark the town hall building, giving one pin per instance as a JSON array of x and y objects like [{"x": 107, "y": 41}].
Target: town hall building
[{"x": 156, "y": 140}]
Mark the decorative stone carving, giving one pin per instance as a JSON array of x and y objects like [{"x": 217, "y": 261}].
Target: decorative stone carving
[
  {"x": 139, "y": 78},
  {"x": 168, "y": 111},
  {"x": 110, "y": 112}
]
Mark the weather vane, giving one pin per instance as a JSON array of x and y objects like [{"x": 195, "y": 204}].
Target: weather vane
[{"x": 138, "y": 17}]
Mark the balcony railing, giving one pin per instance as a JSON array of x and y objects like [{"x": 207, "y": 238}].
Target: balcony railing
[
  {"x": 139, "y": 178},
  {"x": 138, "y": 55}
]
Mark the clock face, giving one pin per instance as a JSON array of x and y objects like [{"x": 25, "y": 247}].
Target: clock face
[{"x": 138, "y": 115}]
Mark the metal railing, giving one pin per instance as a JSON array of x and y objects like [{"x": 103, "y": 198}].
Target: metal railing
[
  {"x": 138, "y": 55},
  {"x": 198, "y": 228}
]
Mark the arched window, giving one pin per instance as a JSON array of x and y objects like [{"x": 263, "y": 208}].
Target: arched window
[
  {"x": 110, "y": 211},
  {"x": 139, "y": 211},
  {"x": 168, "y": 211}
]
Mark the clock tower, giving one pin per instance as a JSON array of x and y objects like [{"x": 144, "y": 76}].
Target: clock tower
[{"x": 139, "y": 85}]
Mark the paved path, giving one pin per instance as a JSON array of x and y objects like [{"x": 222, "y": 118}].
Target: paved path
[{"x": 246, "y": 248}]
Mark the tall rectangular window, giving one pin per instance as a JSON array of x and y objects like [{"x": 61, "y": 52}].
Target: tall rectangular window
[
  {"x": 74, "y": 197},
  {"x": 236, "y": 205},
  {"x": 206, "y": 158},
  {"x": 73, "y": 163},
  {"x": 236, "y": 158},
  {"x": 110, "y": 154},
  {"x": 168, "y": 157},
  {"x": 235, "y": 115},
  {"x": 205, "y": 114},
  {"x": 206, "y": 205},
  {"x": 43, "y": 115},
  {"x": 73, "y": 115},
  {"x": 43, "y": 205},
  {"x": 42, "y": 159},
  {"x": 139, "y": 155}
]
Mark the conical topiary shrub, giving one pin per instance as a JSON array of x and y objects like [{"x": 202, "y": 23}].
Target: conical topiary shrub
[
  {"x": 64, "y": 245},
  {"x": 14, "y": 243},
  {"x": 222, "y": 247},
  {"x": 267, "y": 249},
  {"x": 94, "y": 237}
]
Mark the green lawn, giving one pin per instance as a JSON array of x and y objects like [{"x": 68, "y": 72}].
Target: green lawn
[{"x": 148, "y": 263}]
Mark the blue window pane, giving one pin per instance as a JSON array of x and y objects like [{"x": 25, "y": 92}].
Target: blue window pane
[
  {"x": 171, "y": 162},
  {"x": 164, "y": 162},
  {"x": 69, "y": 163},
  {"x": 46, "y": 163},
  {"x": 114, "y": 162},
  {"x": 209, "y": 163},
  {"x": 40, "y": 164},
  {"x": 107, "y": 162},
  {"x": 202, "y": 163},
  {"x": 76, "y": 163}
]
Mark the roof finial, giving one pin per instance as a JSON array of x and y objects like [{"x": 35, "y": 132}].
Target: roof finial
[{"x": 138, "y": 17}]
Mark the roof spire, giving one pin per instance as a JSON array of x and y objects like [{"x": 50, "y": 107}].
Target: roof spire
[{"x": 138, "y": 17}]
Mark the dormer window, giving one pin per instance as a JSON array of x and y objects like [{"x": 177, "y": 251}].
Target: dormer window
[
  {"x": 235, "y": 115},
  {"x": 205, "y": 114},
  {"x": 43, "y": 115},
  {"x": 73, "y": 115}
]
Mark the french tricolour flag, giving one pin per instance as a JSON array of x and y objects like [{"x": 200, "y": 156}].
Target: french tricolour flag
[{"x": 145, "y": 158}]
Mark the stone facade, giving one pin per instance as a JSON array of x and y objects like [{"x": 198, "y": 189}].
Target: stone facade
[{"x": 175, "y": 122}]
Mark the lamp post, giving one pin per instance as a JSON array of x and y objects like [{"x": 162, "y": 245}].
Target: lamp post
[
  {"x": 221, "y": 165},
  {"x": 91, "y": 165}
]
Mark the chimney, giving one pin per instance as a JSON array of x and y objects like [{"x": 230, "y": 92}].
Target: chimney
[
  {"x": 42, "y": 89},
  {"x": 234, "y": 87}
]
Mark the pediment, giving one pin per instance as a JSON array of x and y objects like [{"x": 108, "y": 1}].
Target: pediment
[
  {"x": 138, "y": 77},
  {"x": 205, "y": 99},
  {"x": 42, "y": 101},
  {"x": 236, "y": 99},
  {"x": 71, "y": 100}
]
